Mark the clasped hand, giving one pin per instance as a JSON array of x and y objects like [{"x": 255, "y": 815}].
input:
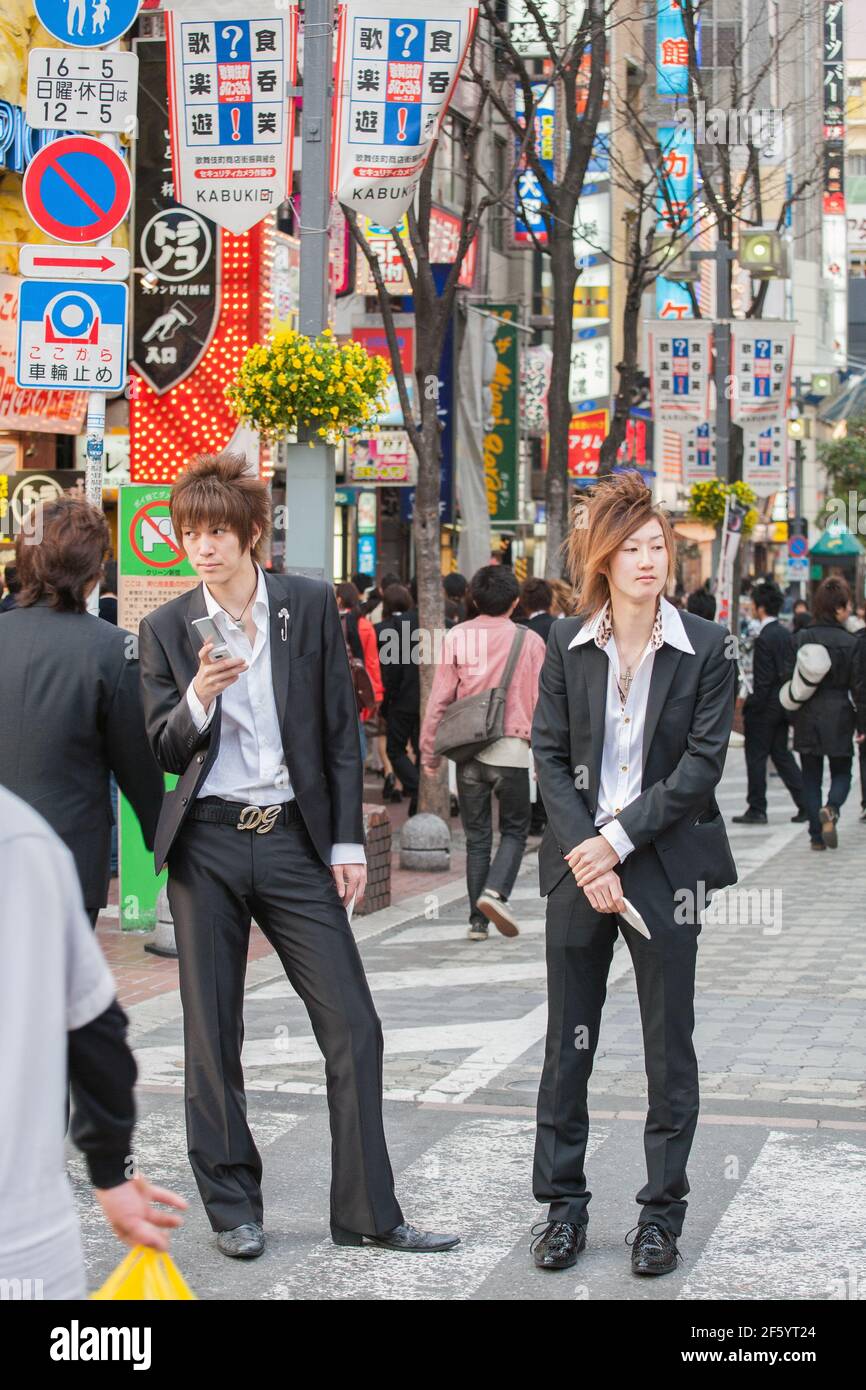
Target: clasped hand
[{"x": 592, "y": 863}]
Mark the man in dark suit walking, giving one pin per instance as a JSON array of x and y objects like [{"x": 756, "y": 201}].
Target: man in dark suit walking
[
  {"x": 765, "y": 725},
  {"x": 71, "y": 709},
  {"x": 635, "y": 708},
  {"x": 266, "y": 819}
]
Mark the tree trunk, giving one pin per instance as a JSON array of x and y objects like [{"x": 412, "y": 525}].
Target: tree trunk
[
  {"x": 564, "y": 277},
  {"x": 627, "y": 370},
  {"x": 433, "y": 791}
]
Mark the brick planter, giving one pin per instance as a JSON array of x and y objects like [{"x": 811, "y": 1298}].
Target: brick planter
[{"x": 377, "y": 828}]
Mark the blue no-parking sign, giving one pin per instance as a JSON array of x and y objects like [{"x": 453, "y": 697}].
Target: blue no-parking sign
[
  {"x": 87, "y": 23},
  {"x": 71, "y": 337}
]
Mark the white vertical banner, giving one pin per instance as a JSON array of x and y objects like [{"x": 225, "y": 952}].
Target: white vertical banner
[
  {"x": 679, "y": 358},
  {"x": 396, "y": 70},
  {"x": 699, "y": 454},
  {"x": 231, "y": 124},
  {"x": 764, "y": 464},
  {"x": 762, "y": 353}
]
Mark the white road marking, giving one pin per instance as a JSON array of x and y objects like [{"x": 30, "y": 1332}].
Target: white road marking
[
  {"x": 793, "y": 1227},
  {"x": 436, "y": 977},
  {"x": 456, "y": 932},
  {"x": 477, "y": 1183}
]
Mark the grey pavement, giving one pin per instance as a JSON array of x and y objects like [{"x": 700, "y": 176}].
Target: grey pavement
[{"x": 781, "y": 1042}]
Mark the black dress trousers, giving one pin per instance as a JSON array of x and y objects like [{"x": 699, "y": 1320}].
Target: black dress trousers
[
  {"x": 580, "y": 945},
  {"x": 219, "y": 878}
]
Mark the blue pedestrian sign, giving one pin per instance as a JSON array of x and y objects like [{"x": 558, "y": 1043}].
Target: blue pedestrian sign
[
  {"x": 71, "y": 336},
  {"x": 87, "y": 23}
]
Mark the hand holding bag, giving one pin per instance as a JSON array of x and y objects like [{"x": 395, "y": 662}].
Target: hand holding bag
[{"x": 471, "y": 724}]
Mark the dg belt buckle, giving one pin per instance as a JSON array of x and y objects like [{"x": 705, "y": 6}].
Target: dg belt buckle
[{"x": 261, "y": 819}]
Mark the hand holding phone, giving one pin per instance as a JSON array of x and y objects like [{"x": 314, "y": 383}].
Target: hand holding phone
[
  {"x": 214, "y": 673},
  {"x": 209, "y": 631}
]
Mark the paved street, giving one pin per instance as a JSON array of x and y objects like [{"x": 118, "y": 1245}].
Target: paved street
[{"x": 778, "y": 1170}]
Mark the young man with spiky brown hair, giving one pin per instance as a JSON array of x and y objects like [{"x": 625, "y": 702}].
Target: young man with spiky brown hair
[
  {"x": 635, "y": 707},
  {"x": 266, "y": 819}
]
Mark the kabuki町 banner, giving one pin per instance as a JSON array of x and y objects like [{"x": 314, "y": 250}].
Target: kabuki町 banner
[
  {"x": 395, "y": 75},
  {"x": 232, "y": 129}
]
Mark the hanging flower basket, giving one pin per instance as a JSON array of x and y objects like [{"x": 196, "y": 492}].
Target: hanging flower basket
[
  {"x": 291, "y": 382},
  {"x": 707, "y": 502}
]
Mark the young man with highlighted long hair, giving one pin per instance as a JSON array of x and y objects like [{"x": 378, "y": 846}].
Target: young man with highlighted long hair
[
  {"x": 266, "y": 819},
  {"x": 635, "y": 707}
]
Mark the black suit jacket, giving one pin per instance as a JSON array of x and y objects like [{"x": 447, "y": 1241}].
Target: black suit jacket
[
  {"x": 541, "y": 623},
  {"x": 400, "y": 679},
  {"x": 70, "y": 714},
  {"x": 689, "y": 715},
  {"x": 315, "y": 702},
  {"x": 772, "y": 664}
]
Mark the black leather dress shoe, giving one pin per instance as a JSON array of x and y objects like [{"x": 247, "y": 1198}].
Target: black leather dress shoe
[
  {"x": 558, "y": 1244},
  {"x": 750, "y": 817},
  {"x": 800, "y": 818},
  {"x": 244, "y": 1242},
  {"x": 654, "y": 1250},
  {"x": 403, "y": 1237}
]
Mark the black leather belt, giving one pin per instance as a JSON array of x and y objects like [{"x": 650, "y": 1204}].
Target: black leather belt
[{"x": 261, "y": 819}]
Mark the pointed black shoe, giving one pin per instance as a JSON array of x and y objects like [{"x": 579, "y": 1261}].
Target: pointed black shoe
[
  {"x": 654, "y": 1250},
  {"x": 750, "y": 817},
  {"x": 244, "y": 1242},
  {"x": 403, "y": 1237},
  {"x": 557, "y": 1244}
]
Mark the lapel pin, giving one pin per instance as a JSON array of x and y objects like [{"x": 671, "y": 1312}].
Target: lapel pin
[{"x": 284, "y": 631}]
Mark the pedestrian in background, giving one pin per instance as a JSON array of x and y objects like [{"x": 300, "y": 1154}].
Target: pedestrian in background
[
  {"x": 401, "y": 702},
  {"x": 765, "y": 723},
  {"x": 474, "y": 658},
  {"x": 536, "y": 603},
  {"x": 361, "y": 641},
  {"x": 455, "y": 598},
  {"x": 825, "y": 722},
  {"x": 703, "y": 604},
  {"x": 108, "y": 593},
  {"x": 801, "y": 617},
  {"x": 72, "y": 713}
]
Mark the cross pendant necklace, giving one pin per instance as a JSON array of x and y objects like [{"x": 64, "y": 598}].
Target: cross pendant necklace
[{"x": 624, "y": 684}]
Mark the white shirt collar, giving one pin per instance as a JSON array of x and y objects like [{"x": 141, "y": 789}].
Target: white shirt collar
[
  {"x": 763, "y": 623},
  {"x": 260, "y": 598},
  {"x": 673, "y": 629}
]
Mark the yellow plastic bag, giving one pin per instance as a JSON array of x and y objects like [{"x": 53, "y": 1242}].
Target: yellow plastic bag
[{"x": 145, "y": 1274}]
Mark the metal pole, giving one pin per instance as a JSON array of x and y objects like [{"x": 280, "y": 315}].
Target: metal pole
[
  {"x": 95, "y": 468},
  {"x": 310, "y": 472}
]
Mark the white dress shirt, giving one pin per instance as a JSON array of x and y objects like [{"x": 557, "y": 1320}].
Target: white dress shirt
[
  {"x": 250, "y": 765},
  {"x": 622, "y": 755}
]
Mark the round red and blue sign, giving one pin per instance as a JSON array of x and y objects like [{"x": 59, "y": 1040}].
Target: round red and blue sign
[{"x": 77, "y": 189}]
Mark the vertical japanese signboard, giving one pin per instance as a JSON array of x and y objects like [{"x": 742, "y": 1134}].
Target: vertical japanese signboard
[
  {"x": 679, "y": 359},
  {"x": 529, "y": 197},
  {"x": 177, "y": 308},
  {"x": 395, "y": 75},
  {"x": 762, "y": 354},
  {"x": 672, "y": 49},
  {"x": 501, "y": 438},
  {"x": 675, "y": 201},
  {"x": 232, "y": 129},
  {"x": 152, "y": 568}
]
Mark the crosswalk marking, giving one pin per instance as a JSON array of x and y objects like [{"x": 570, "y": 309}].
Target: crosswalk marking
[
  {"x": 475, "y": 1182},
  {"x": 793, "y": 1228},
  {"x": 456, "y": 931},
  {"x": 436, "y": 977}
]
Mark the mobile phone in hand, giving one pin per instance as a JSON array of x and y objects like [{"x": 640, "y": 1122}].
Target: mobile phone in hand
[{"x": 208, "y": 631}]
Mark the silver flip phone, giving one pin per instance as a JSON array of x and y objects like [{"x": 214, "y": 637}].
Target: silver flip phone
[{"x": 208, "y": 631}]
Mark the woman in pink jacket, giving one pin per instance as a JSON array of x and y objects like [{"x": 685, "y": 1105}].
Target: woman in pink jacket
[{"x": 473, "y": 659}]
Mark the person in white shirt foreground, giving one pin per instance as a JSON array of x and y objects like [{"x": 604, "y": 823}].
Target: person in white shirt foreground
[
  {"x": 266, "y": 820},
  {"x": 58, "y": 1010},
  {"x": 635, "y": 708}
]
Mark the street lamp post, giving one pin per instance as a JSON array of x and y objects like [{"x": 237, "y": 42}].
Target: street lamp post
[{"x": 310, "y": 469}]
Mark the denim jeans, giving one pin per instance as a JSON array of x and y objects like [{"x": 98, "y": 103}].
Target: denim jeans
[
  {"x": 840, "y": 785},
  {"x": 477, "y": 783}
]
